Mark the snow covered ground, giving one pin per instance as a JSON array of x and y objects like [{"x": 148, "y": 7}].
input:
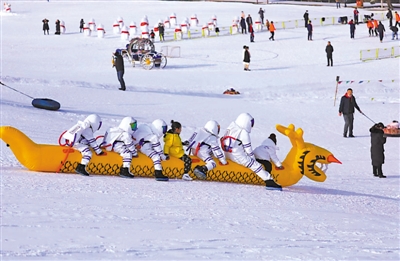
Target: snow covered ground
[{"x": 48, "y": 216}]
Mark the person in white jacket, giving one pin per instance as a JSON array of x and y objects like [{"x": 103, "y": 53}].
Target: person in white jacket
[
  {"x": 80, "y": 136},
  {"x": 204, "y": 143},
  {"x": 147, "y": 140},
  {"x": 119, "y": 139},
  {"x": 266, "y": 152},
  {"x": 237, "y": 146}
]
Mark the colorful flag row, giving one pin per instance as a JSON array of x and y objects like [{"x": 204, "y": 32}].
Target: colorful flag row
[{"x": 367, "y": 81}]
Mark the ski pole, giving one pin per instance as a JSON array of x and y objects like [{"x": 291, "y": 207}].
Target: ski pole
[
  {"x": 17, "y": 90},
  {"x": 368, "y": 118}
]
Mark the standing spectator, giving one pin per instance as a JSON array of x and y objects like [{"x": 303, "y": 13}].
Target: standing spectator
[
  {"x": 246, "y": 58},
  {"x": 377, "y": 149},
  {"x": 243, "y": 25},
  {"x": 375, "y": 22},
  {"x": 161, "y": 31},
  {"x": 337, "y": 4},
  {"x": 242, "y": 15},
  {"x": 381, "y": 31},
  {"x": 249, "y": 21},
  {"x": 261, "y": 13},
  {"x": 389, "y": 15},
  {"x": 352, "y": 29},
  {"x": 306, "y": 18},
  {"x": 251, "y": 31},
  {"x": 58, "y": 30},
  {"x": 152, "y": 35},
  {"x": 355, "y": 12},
  {"x": 272, "y": 31},
  {"x": 394, "y": 32},
  {"x": 267, "y": 24},
  {"x": 120, "y": 67},
  {"x": 370, "y": 26},
  {"x": 310, "y": 30},
  {"x": 45, "y": 26},
  {"x": 329, "y": 51},
  {"x": 346, "y": 107},
  {"x": 81, "y": 24},
  {"x": 397, "y": 17}
]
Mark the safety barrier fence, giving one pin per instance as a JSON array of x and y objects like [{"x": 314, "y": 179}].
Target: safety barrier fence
[{"x": 380, "y": 53}]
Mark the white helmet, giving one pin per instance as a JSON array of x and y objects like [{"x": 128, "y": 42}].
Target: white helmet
[
  {"x": 128, "y": 124},
  {"x": 159, "y": 127},
  {"x": 245, "y": 121},
  {"x": 94, "y": 121},
  {"x": 212, "y": 127}
]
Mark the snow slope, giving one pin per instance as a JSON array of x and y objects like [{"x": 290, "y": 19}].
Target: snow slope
[{"x": 48, "y": 216}]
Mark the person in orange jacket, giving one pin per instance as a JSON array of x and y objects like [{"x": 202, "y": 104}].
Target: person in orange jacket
[
  {"x": 272, "y": 30},
  {"x": 370, "y": 26},
  {"x": 397, "y": 16},
  {"x": 375, "y": 22}
]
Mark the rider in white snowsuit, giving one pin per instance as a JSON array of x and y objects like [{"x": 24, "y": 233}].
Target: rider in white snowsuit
[
  {"x": 204, "y": 143},
  {"x": 266, "y": 152},
  {"x": 80, "y": 136},
  {"x": 119, "y": 139},
  {"x": 147, "y": 140},
  {"x": 237, "y": 146}
]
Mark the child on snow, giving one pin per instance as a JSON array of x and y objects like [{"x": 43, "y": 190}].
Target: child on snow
[
  {"x": 173, "y": 147},
  {"x": 377, "y": 149},
  {"x": 147, "y": 140},
  {"x": 266, "y": 152},
  {"x": 152, "y": 36},
  {"x": 80, "y": 136},
  {"x": 119, "y": 139},
  {"x": 204, "y": 144},
  {"x": 237, "y": 146}
]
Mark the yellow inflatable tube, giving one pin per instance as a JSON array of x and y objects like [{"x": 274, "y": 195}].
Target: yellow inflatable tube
[{"x": 300, "y": 160}]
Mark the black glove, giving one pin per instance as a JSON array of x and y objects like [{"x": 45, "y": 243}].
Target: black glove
[
  {"x": 101, "y": 153},
  {"x": 166, "y": 156},
  {"x": 185, "y": 143}
]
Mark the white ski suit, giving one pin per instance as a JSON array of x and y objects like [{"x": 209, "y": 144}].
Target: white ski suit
[
  {"x": 119, "y": 139},
  {"x": 204, "y": 145},
  {"x": 237, "y": 145},
  {"x": 267, "y": 151},
  {"x": 81, "y": 137},
  {"x": 147, "y": 139}
]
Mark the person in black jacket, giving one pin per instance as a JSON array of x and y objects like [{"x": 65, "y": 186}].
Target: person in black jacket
[
  {"x": 45, "y": 26},
  {"x": 352, "y": 28},
  {"x": 81, "y": 24},
  {"x": 58, "y": 28},
  {"x": 243, "y": 25},
  {"x": 377, "y": 149},
  {"x": 246, "y": 58},
  {"x": 310, "y": 31},
  {"x": 119, "y": 66},
  {"x": 161, "y": 31},
  {"x": 306, "y": 18},
  {"x": 249, "y": 22},
  {"x": 346, "y": 107},
  {"x": 381, "y": 30},
  {"x": 389, "y": 15},
  {"x": 329, "y": 51}
]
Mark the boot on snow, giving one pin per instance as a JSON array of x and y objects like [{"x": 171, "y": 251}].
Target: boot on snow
[
  {"x": 124, "y": 173},
  {"x": 270, "y": 184},
  {"x": 200, "y": 172},
  {"x": 159, "y": 176},
  {"x": 81, "y": 169}
]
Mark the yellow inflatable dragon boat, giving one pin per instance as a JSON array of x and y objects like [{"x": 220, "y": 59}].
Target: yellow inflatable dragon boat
[{"x": 301, "y": 160}]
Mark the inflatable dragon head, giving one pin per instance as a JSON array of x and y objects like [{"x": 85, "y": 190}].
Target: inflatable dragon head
[{"x": 302, "y": 159}]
